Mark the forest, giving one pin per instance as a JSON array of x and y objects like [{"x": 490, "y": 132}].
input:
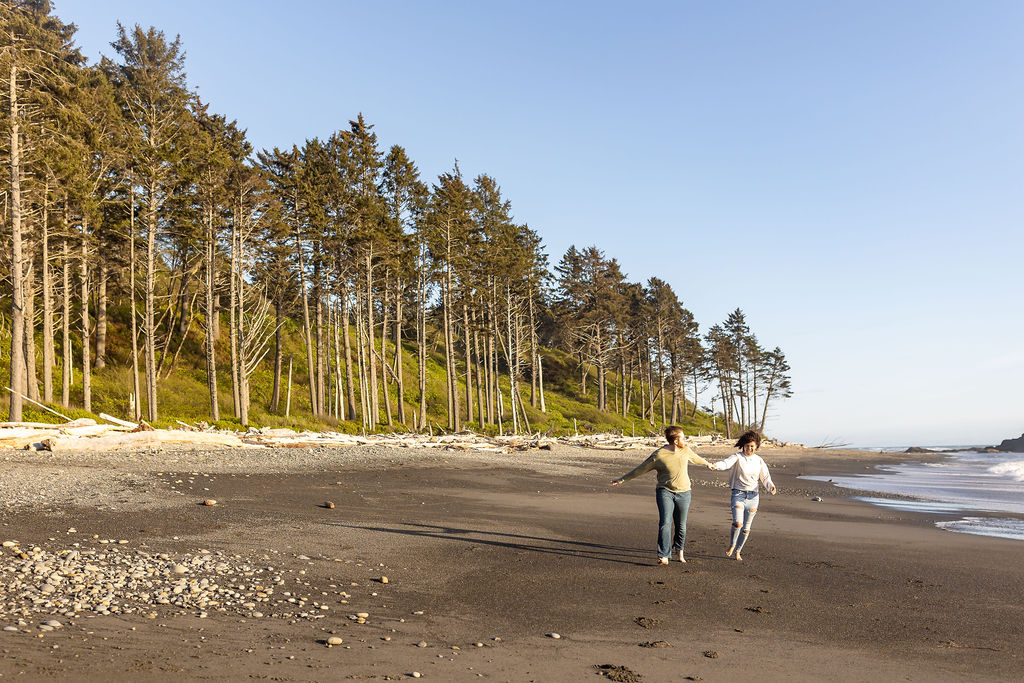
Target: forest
[{"x": 158, "y": 262}]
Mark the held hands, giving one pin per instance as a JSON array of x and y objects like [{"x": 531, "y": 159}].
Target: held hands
[{"x": 773, "y": 490}]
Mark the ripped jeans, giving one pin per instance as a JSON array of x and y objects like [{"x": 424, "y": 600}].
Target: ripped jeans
[{"x": 744, "y": 507}]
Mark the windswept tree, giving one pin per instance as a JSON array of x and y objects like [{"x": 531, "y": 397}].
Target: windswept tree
[
  {"x": 37, "y": 60},
  {"x": 151, "y": 90}
]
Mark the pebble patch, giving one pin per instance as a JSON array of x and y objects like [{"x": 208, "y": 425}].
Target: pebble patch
[{"x": 43, "y": 584}]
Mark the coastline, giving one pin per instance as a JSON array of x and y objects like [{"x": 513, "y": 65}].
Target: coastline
[{"x": 516, "y": 547}]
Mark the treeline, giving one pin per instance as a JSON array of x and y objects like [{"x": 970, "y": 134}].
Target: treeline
[{"x": 126, "y": 191}]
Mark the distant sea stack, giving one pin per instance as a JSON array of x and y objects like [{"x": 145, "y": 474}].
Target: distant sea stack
[{"x": 1012, "y": 445}]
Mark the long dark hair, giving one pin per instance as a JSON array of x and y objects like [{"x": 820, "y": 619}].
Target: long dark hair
[{"x": 749, "y": 436}]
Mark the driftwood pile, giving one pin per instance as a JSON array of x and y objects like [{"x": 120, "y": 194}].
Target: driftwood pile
[{"x": 86, "y": 434}]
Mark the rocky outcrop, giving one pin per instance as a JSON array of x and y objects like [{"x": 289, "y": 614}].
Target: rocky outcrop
[{"x": 1012, "y": 445}]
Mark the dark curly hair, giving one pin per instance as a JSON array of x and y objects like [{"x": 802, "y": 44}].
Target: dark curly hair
[{"x": 749, "y": 436}]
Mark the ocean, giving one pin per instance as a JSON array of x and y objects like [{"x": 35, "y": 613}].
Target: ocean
[{"x": 980, "y": 493}]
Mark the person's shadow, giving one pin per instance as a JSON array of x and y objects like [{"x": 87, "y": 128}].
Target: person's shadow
[{"x": 536, "y": 544}]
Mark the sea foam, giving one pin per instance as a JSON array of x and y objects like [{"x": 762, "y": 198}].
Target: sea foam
[{"x": 1013, "y": 469}]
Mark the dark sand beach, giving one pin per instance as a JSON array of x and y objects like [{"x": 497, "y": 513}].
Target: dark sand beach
[{"x": 487, "y": 555}]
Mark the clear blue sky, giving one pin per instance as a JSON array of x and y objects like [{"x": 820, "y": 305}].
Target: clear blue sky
[{"x": 850, "y": 173}]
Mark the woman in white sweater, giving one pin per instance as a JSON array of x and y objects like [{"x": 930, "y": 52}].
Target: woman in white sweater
[{"x": 747, "y": 469}]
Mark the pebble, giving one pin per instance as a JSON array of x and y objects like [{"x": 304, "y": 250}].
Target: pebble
[
  {"x": 209, "y": 501},
  {"x": 416, "y": 674},
  {"x": 422, "y": 643},
  {"x": 334, "y": 640},
  {"x": 554, "y": 635},
  {"x": 329, "y": 505},
  {"x": 383, "y": 579},
  {"x": 117, "y": 579},
  {"x": 816, "y": 499}
]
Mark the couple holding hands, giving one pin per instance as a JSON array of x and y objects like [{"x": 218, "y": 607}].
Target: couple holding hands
[{"x": 746, "y": 470}]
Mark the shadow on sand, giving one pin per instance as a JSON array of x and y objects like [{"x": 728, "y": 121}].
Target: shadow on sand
[{"x": 536, "y": 544}]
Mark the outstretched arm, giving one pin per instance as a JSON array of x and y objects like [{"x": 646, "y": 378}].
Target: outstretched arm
[
  {"x": 646, "y": 466},
  {"x": 766, "y": 478},
  {"x": 725, "y": 464}
]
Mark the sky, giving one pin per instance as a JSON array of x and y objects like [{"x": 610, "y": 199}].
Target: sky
[{"x": 850, "y": 174}]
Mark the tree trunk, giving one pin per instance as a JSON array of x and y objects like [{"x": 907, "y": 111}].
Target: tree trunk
[
  {"x": 101, "y": 317},
  {"x": 31, "y": 379},
  {"x": 384, "y": 350},
  {"x": 48, "y": 351},
  {"x": 275, "y": 398},
  {"x": 136, "y": 397},
  {"x": 481, "y": 378},
  {"x": 211, "y": 316},
  {"x": 318, "y": 325},
  {"x": 67, "y": 363},
  {"x": 399, "y": 370},
  {"x": 340, "y": 412},
  {"x": 307, "y": 331},
  {"x": 149, "y": 329},
  {"x": 17, "y": 286},
  {"x": 374, "y": 394},
  {"x": 349, "y": 377},
  {"x": 86, "y": 332},
  {"x": 364, "y": 394},
  {"x": 421, "y": 338},
  {"x": 469, "y": 362}
]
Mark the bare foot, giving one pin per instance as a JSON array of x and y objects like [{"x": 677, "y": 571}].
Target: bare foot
[
  {"x": 662, "y": 560},
  {"x": 681, "y": 558},
  {"x": 728, "y": 553},
  {"x": 738, "y": 558}
]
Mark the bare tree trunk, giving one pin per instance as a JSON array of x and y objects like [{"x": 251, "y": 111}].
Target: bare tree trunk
[
  {"x": 211, "y": 316},
  {"x": 318, "y": 326},
  {"x": 137, "y": 398},
  {"x": 469, "y": 362},
  {"x": 481, "y": 378},
  {"x": 306, "y": 327},
  {"x": 48, "y": 351},
  {"x": 421, "y": 338},
  {"x": 17, "y": 286},
  {"x": 349, "y": 376},
  {"x": 513, "y": 361},
  {"x": 243, "y": 370},
  {"x": 540, "y": 382},
  {"x": 364, "y": 394},
  {"x": 340, "y": 412},
  {"x": 374, "y": 394},
  {"x": 288, "y": 399},
  {"x": 533, "y": 353},
  {"x": 86, "y": 341},
  {"x": 449, "y": 369},
  {"x": 384, "y": 350},
  {"x": 31, "y": 380},
  {"x": 67, "y": 363},
  {"x": 149, "y": 329},
  {"x": 693, "y": 413},
  {"x": 275, "y": 398},
  {"x": 101, "y": 317},
  {"x": 236, "y": 394},
  {"x": 399, "y": 370}
]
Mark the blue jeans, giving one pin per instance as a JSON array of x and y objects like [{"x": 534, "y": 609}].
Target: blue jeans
[
  {"x": 672, "y": 510},
  {"x": 744, "y": 507}
]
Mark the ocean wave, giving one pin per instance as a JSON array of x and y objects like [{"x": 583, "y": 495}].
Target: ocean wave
[
  {"x": 1014, "y": 469},
  {"x": 986, "y": 526}
]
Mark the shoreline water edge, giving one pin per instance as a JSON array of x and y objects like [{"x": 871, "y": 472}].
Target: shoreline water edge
[{"x": 970, "y": 491}]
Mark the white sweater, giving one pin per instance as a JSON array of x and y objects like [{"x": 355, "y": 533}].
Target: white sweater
[{"x": 746, "y": 471}]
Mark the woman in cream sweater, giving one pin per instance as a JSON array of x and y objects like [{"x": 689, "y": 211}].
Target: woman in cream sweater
[{"x": 746, "y": 471}]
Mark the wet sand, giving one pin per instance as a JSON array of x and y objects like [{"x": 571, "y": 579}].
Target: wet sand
[{"x": 502, "y": 551}]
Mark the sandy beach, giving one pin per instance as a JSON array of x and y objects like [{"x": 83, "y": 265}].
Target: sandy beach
[{"x": 485, "y": 558}]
